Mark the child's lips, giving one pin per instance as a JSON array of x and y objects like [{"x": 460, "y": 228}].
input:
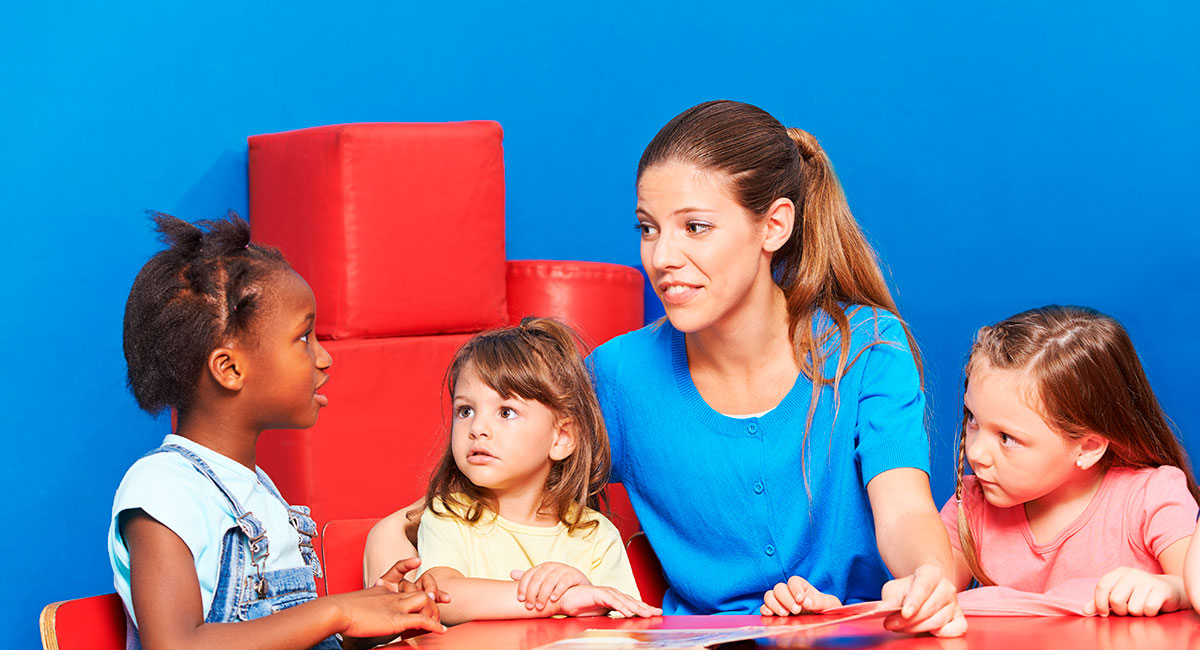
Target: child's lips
[
  {"x": 322, "y": 400},
  {"x": 480, "y": 457}
]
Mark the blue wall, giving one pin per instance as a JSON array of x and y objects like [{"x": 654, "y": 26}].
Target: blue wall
[{"x": 1000, "y": 157}]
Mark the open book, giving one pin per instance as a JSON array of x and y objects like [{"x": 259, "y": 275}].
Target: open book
[{"x": 698, "y": 639}]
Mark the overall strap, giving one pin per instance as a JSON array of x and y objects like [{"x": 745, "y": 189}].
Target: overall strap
[
  {"x": 301, "y": 519},
  {"x": 250, "y": 526}
]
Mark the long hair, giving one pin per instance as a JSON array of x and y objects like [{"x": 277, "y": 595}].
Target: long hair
[
  {"x": 827, "y": 262},
  {"x": 1082, "y": 372},
  {"x": 537, "y": 360}
]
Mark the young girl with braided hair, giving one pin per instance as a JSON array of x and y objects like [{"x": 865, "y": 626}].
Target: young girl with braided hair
[
  {"x": 1076, "y": 474},
  {"x": 205, "y": 552}
]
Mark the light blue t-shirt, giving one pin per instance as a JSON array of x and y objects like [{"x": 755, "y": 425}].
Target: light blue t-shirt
[
  {"x": 169, "y": 489},
  {"x": 722, "y": 499}
]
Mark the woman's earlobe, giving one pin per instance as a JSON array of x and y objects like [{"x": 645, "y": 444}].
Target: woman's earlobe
[
  {"x": 781, "y": 219},
  {"x": 225, "y": 368}
]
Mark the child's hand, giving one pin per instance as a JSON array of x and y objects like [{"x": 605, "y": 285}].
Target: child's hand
[
  {"x": 546, "y": 582},
  {"x": 590, "y": 600},
  {"x": 394, "y": 581},
  {"x": 1132, "y": 592},
  {"x": 928, "y": 603},
  {"x": 796, "y": 596},
  {"x": 381, "y": 611}
]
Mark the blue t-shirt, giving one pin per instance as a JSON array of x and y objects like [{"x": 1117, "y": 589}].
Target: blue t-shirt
[{"x": 722, "y": 499}]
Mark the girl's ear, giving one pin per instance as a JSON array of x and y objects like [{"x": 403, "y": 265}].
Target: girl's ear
[
  {"x": 224, "y": 364},
  {"x": 565, "y": 439},
  {"x": 1092, "y": 447},
  {"x": 781, "y": 218}
]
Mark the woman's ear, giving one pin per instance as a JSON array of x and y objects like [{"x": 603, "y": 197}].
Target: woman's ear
[
  {"x": 225, "y": 367},
  {"x": 565, "y": 439},
  {"x": 781, "y": 218},
  {"x": 1092, "y": 447}
]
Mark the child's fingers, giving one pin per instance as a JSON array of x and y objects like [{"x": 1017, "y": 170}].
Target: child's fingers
[
  {"x": 1102, "y": 596},
  {"x": 561, "y": 588},
  {"x": 396, "y": 572},
  {"x": 1118, "y": 598},
  {"x": 533, "y": 580},
  {"x": 420, "y": 622},
  {"x": 546, "y": 588},
  {"x": 1137, "y": 600}
]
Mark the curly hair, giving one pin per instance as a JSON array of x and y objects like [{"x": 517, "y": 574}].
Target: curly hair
[
  {"x": 537, "y": 360},
  {"x": 205, "y": 287}
]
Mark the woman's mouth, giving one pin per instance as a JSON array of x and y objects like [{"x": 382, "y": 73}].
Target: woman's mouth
[{"x": 676, "y": 293}]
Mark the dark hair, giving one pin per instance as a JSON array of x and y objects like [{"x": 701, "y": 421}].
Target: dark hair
[
  {"x": 537, "y": 360},
  {"x": 1083, "y": 376},
  {"x": 205, "y": 287},
  {"x": 827, "y": 262}
]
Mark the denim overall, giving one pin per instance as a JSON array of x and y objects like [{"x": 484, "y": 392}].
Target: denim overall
[{"x": 245, "y": 591}]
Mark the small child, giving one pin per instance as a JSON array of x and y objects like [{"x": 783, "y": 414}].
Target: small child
[
  {"x": 202, "y": 545},
  {"x": 1077, "y": 474},
  {"x": 510, "y": 528}
]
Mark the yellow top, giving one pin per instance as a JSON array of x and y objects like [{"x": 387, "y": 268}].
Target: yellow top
[{"x": 495, "y": 546}]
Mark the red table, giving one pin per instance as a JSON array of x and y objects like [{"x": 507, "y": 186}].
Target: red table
[{"x": 1177, "y": 631}]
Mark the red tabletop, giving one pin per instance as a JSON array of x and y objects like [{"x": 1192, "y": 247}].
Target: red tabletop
[{"x": 1177, "y": 631}]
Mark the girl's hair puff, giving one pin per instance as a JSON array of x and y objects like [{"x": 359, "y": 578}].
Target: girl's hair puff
[
  {"x": 537, "y": 360},
  {"x": 1083, "y": 375},
  {"x": 203, "y": 289},
  {"x": 827, "y": 264}
]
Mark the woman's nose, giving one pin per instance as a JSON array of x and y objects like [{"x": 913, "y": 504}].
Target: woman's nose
[{"x": 667, "y": 254}]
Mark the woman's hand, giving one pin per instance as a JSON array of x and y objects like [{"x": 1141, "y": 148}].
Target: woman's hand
[
  {"x": 546, "y": 583},
  {"x": 590, "y": 600},
  {"x": 796, "y": 596},
  {"x": 1132, "y": 592},
  {"x": 928, "y": 602}
]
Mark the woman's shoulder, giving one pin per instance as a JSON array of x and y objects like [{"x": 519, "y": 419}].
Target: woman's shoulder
[{"x": 636, "y": 346}]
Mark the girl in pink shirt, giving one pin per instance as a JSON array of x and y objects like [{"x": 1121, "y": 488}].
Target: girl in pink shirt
[{"x": 1078, "y": 480}]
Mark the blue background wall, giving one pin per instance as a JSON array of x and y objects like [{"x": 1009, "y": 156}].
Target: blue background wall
[{"x": 999, "y": 157}]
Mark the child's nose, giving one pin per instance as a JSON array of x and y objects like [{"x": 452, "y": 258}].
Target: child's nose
[
  {"x": 976, "y": 452},
  {"x": 324, "y": 359}
]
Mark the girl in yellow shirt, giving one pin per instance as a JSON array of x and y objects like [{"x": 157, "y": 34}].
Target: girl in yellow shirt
[{"x": 510, "y": 529}]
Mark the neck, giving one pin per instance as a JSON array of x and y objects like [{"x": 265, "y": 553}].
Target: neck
[
  {"x": 220, "y": 435},
  {"x": 738, "y": 344},
  {"x": 523, "y": 504},
  {"x": 1049, "y": 514}
]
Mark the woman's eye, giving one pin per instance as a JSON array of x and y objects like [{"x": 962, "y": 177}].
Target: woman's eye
[
  {"x": 507, "y": 413},
  {"x": 698, "y": 227},
  {"x": 645, "y": 229},
  {"x": 463, "y": 411}
]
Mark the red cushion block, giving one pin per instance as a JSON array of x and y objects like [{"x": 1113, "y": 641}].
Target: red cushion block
[
  {"x": 599, "y": 300},
  {"x": 95, "y": 623},
  {"x": 398, "y": 228}
]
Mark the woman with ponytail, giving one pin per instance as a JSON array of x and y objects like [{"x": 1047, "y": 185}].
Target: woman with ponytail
[{"x": 771, "y": 428}]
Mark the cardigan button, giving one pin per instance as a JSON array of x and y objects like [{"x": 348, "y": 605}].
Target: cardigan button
[
  {"x": 769, "y": 550},
  {"x": 751, "y": 428},
  {"x": 758, "y": 488}
]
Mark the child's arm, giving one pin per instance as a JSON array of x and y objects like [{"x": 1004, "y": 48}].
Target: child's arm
[
  {"x": 913, "y": 543},
  {"x": 170, "y": 612},
  {"x": 1132, "y": 592},
  {"x": 481, "y": 599},
  {"x": 1191, "y": 572},
  {"x": 392, "y": 538}
]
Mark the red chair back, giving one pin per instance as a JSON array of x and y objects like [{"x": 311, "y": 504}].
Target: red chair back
[
  {"x": 342, "y": 554},
  {"x": 95, "y": 623}
]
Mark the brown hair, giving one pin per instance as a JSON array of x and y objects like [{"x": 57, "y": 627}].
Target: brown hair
[
  {"x": 827, "y": 262},
  {"x": 1082, "y": 372},
  {"x": 537, "y": 360}
]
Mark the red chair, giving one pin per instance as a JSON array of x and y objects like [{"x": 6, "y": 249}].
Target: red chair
[
  {"x": 96, "y": 623},
  {"x": 342, "y": 553}
]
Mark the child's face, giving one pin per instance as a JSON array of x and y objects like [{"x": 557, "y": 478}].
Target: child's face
[
  {"x": 503, "y": 445},
  {"x": 1014, "y": 454},
  {"x": 701, "y": 249},
  {"x": 285, "y": 363}
]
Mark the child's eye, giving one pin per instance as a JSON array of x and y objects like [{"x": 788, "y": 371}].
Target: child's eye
[
  {"x": 698, "y": 227},
  {"x": 463, "y": 412},
  {"x": 647, "y": 230},
  {"x": 507, "y": 413},
  {"x": 304, "y": 338},
  {"x": 1007, "y": 440},
  {"x": 970, "y": 417}
]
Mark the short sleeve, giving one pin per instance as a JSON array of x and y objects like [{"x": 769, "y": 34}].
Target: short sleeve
[
  {"x": 1169, "y": 511},
  {"x": 949, "y": 515},
  {"x": 891, "y": 406},
  {"x": 601, "y": 365},
  {"x": 610, "y": 564},
  {"x": 440, "y": 542}
]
